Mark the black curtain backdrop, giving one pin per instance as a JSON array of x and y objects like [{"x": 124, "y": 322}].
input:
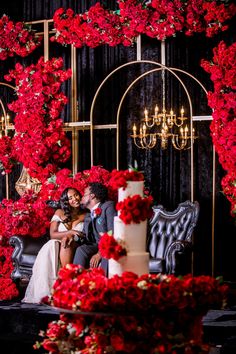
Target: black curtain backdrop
[{"x": 167, "y": 172}]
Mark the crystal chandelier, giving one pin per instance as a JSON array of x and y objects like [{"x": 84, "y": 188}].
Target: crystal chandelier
[{"x": 163, "y": 126}]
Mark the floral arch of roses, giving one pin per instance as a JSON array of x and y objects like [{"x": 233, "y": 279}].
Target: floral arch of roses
[{"x": 39, "y": 84}]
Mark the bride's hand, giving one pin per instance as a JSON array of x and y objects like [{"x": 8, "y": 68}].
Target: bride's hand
[{"x": 67, "y": 240}]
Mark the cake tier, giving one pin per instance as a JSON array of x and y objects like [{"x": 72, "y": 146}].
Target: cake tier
[
  {"x": 133, "y": 188},
  {"x": 134, "y": 235},
  {"x": 133, "y": 262}
]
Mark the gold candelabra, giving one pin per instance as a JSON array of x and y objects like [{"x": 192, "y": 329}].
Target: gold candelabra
[{"x": 5, "y": 125}]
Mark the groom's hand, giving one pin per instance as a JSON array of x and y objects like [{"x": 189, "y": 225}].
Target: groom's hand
[{"x": 94, "y": 261}]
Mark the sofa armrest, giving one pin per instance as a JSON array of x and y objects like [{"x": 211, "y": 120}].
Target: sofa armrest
[
  {"x": 24, "y": 254},
  {"x": 175, "y": 249}
]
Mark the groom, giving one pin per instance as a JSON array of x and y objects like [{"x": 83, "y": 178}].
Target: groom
[{"x": 100, "y": 220}]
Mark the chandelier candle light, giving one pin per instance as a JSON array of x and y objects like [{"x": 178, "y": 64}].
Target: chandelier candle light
[
  {"x": 5, "y": 125},
  {"x": 166, "y": 122}
]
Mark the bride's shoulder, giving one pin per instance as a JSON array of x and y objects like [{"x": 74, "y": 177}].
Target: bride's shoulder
[{"x": 59, "y": 214}]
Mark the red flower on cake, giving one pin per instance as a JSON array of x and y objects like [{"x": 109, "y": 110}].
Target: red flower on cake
[
  {"x": 135, "y": 209},
  {"x": 111, "y": 248},
  {"x": 120, "y": 178}
]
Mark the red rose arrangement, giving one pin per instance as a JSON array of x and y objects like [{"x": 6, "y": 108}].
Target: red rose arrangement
[
  {"x": 109, "y": 247},
  {"x": 223, "y": 103},
  {"x": 147, "y": 314},
  {"x": 18, "y": 38},
  {"x": 135, "y": 209}
]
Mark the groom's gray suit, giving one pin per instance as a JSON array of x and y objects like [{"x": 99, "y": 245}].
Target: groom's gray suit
[{"x": 93, "y": 229}]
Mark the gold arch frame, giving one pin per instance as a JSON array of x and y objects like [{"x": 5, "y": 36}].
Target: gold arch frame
[
  {"x": 5, "y": 119},
  {"x": 172, "y": 71}
]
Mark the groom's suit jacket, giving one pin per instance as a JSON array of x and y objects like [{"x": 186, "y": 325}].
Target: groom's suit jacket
[{"x": 94, "y": 227}]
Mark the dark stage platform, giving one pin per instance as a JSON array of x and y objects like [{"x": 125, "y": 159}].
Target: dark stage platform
[{"x": 20, "y": 325}]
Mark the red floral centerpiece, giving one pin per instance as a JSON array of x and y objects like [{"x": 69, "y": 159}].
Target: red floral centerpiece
[{"x": 131, "y": 314}]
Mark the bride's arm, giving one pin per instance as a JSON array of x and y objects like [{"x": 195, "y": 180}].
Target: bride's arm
[{"x": 59, "y": 235}]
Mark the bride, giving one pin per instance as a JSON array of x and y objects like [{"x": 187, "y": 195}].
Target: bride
[{"x": 65, "y": 232}]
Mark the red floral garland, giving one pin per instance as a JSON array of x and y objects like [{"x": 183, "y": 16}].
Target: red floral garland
[
  {"x": 16, "y": 38},
  {"x": 223, "y": 103},
  {"x": 159, "y": 19},
  {"x": 135, "y": 209},
  {"x": 40, "y": 143}
]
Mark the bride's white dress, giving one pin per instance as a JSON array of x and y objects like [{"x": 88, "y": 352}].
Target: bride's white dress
[{"x": 46, "y": 266}]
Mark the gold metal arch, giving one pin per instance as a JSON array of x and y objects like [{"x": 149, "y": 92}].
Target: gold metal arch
[
  {"x": 191, "y": 111},
  {"x": 172, "y": 71},
  {"x": 5, "y": 121}
]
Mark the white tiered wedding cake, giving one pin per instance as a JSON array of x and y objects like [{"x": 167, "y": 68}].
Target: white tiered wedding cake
[{"x": 132, "y": 235}]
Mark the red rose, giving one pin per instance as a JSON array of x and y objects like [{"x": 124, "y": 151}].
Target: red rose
[{"x": 97, "y": 212}]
